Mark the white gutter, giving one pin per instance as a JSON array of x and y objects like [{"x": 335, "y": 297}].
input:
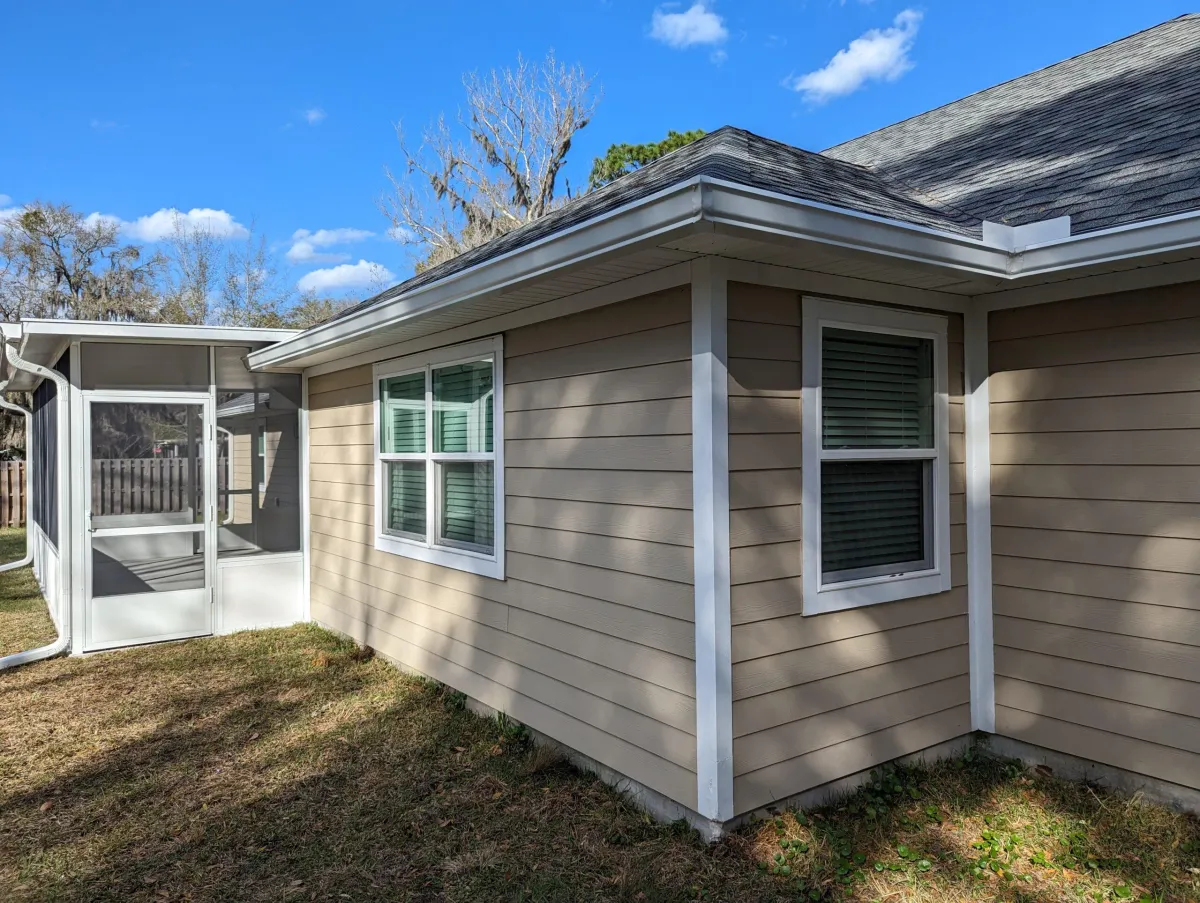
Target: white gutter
[
  {"x": 63, "y": 643},
  {"x": 649, "y": 220},
  {"x": 1156, "y": 236},
  {"x": 1004, "y": 254},
  {"x": 17, "y": 409}
]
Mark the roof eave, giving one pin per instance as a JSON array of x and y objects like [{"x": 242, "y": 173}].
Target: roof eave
[
  {"x": 1145, "y": 239},
  {"x": 700, "y": 202}
]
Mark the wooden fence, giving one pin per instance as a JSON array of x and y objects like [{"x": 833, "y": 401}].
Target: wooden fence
[
  {"x": 147, "y": 485},
  {"x": 12, "y": 494},
  {"x": 119, "y": 486}
]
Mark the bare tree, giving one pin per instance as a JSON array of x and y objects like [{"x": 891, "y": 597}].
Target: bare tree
[
  {"x": 60, "y": 264},
  {"x": 253, "y": 292},
  {"x": 499, "y": 168},
  {"x": 192, "y": 275}
]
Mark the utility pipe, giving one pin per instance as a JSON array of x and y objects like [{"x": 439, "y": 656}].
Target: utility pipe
[
  {"x": 17, "y": 409},
  {"x": 63, "y": 643}
]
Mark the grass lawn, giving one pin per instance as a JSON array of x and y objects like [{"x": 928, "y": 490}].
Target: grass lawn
[
  {"x": 289, "y": 765},
  {"x": 24, "y": 621}
]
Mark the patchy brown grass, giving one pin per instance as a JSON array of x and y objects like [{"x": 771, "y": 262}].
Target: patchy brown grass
[
  {"x": 24, "y": 621},
  {"x": 286, "y": 765}
]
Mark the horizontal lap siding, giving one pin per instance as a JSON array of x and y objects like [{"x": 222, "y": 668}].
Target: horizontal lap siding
[
  {"x": 1095, "y": 420},
  {"x": 818, "y": 698},
  {"x": 589, "y": 639}
]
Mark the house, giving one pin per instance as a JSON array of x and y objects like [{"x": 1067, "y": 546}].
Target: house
[{"x": 742, "y": 475}]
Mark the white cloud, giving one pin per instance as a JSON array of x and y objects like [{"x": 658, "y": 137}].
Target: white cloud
[
  {"x": 696, "y": 25},
  {"x": 314, "y": 115},
  {"x": 101, "y": 125},
  {"x": 346, "y": 276},
  {"x": 94, "y": 219},
  {"x": 880, "y": 54},
  {"x": 305, "y": 244},
  {"x": 5, "y": 200},
  {"x": 161, "y": 224}
]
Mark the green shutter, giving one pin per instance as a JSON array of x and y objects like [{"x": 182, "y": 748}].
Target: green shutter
[
  {"x": 462, "y": 408},
  {"x": 406, "y": 497},
  {"x": 872, "y": 515},
  {"x": 876, "y": 390},
  {"x": 403, "y": 401},
  {"x": 468, "y": 500}
]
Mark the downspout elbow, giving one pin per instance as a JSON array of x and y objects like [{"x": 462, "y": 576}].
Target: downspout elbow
[{"x": 63, "y": 643}]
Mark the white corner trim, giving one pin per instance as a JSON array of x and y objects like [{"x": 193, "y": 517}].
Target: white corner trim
[
  {"x": 819, "y": 599},
  {"x": 467, "y": 560},
  {"x": 305, "y": 500},
  {"x": 710, "y": 512},
  {"x": 979, "y": 522}
]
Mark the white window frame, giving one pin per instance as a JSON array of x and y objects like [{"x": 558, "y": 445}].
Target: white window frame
[
  {"x": 820, "y": 598},
  {"x": 458, "y": 557}
]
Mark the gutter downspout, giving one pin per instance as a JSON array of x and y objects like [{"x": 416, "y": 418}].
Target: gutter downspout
[
  {"x": 17, "y": 409},
  {"x": 63, "y": 643}
]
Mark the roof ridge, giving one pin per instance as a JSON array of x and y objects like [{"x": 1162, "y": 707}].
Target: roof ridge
[{"x": 829, "y": 150}]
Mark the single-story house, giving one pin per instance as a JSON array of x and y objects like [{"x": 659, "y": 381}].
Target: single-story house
[{"x": 742, "y": 475}]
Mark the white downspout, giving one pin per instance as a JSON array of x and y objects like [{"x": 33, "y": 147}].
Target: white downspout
[
  {"x": 63, "y": 643},
  {"x": 17, "y": 409}
]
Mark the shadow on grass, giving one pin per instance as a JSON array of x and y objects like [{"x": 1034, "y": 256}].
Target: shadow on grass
[{"x": 286, "y": 765}]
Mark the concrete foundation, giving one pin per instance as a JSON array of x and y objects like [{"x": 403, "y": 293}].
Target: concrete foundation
[{"x": 1073, "y": 768}]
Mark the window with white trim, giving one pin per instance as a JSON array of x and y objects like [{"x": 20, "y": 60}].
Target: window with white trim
[
  {"x": 439, "y": 457},
  {"x": 876, "y": 500}
]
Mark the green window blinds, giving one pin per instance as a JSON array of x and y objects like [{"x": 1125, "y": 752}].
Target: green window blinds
[
  {"x": 877, "y": 394},
  {"x": 467, "y": 503},
  {"x": 462, "y": 408},
  {"x": 403, "y": 412},
  {"x": 406, "y": 497},
  {"x": 459, "y": 408}
]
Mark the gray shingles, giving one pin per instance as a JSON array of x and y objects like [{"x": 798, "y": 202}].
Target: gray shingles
[{"x": 1109, "y": 138}]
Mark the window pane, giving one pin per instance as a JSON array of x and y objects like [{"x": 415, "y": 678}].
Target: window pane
[
  {"x": 873, "y": 517},
  {"x": 403, "y": 404},
  {"x": 406, "y": 498},
  {"x": 462, "y": 408},
  {"x": 876, "y": 390},
  {"x": 467, "y": 497}
]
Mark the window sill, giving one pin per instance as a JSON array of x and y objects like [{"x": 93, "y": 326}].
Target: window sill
[
  {"x": 874, "y": 591},
  {"x": 457, "y": 559}
]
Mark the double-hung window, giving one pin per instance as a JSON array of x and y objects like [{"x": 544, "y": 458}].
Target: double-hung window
[
  {"x": 876, "y": 504},
  {"x": 439, "y": 457}
]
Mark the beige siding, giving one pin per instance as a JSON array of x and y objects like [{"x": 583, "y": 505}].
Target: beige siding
[
  {"x": 1095, "y": 428},
  {"x": 821, "y": 697},
  {"x": 590, "y": 638}
]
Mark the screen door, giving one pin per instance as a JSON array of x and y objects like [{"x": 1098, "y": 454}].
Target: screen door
[{"x": 150, "y": 522}]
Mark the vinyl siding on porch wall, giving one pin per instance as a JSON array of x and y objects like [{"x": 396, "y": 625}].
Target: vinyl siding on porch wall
[
  {"x": 1095, "y": 417},
  {"x": 590, "y": 638},
  {"x": 819, "y": 698}
]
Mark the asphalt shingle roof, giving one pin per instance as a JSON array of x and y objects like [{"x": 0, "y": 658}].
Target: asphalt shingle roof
[
  {"x": 734, "y": 155},
  {"x": 1108, "y": 137}
]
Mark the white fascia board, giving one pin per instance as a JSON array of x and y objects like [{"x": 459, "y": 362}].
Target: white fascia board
[
  {"x": 163, "y": 332},
  {"x": 1158, "y": 236},
  {"x": 652, "y": 219},
  {"x": 755, "y": 210}
]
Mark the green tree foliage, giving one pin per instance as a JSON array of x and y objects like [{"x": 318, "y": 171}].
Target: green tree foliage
[{"x": 625, "y": 158}]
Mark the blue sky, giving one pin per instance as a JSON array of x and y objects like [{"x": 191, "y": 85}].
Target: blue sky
[{"x": 281, "y": 114}]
